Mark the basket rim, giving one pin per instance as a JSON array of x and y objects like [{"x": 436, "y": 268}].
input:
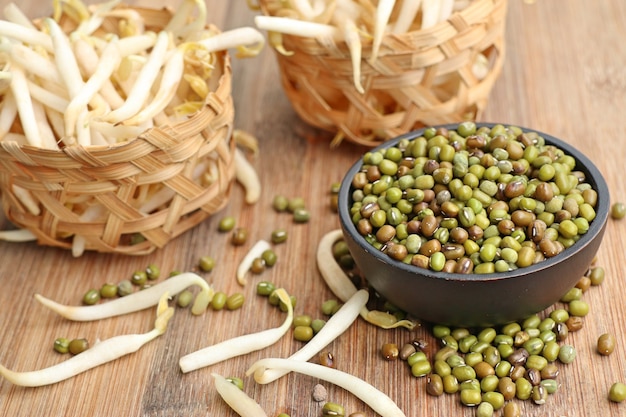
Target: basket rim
[{"x": 433, "y": 36}]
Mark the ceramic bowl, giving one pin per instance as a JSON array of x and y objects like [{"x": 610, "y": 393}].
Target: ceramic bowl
[{"x": 477, "y": 299}]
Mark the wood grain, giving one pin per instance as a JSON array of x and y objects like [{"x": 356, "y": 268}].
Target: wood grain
[{"x": 563, "y": 75}]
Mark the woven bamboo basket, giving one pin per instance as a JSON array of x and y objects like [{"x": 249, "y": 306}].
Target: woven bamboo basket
[
  {"x": 420, "y": 78},
  {"x": 119, "y": 177}
]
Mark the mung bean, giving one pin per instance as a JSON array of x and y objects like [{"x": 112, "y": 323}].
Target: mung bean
[
  {"x": 235, "y": 301},
  {"x": 434, "y": 385},
  {"x": 618, "y": 211},
  {"x": 617, "y": 392},
  {"x": 511, "y": 409},
  {"x": 390, "y": 351},
  {"x": 332, "y": 409},
  {"x": 61, "y": 345},
  {"x": 77, "y": 346},
  {"x": 606, "y": 344},
  {"x": 567, "y": 354},
  {"x": 91, "y": 297}
]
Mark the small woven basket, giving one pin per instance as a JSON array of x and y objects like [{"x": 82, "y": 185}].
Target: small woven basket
[
  {"x": 120, "y": 177},
  {"x": 420, "y": 78}
]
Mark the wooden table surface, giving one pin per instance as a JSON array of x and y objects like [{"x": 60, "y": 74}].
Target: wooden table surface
[{"x": 564, "y": 75}]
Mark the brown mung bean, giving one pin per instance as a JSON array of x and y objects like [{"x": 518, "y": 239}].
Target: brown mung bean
[{"x": 606, "y": 344}]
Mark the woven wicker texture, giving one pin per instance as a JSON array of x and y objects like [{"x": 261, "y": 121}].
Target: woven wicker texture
[
  {"x": 121, "y": 177},
  {"x": 421, "y": 78}
]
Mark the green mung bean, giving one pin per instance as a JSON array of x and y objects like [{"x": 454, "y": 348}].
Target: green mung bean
[
  {"x": 317, "y": 325},
  {"x": 617, "y": 392},
  {"x": 218, "y": 301},
  {"x": 124, "y": 287},
  {"x": 596, "y": 275},
  {"x": 206, "y": 263},
  {"x": 279, "y": 236},
  {"x": 578, "y": 308},
  {"x": 303, "y": 333},
  {"x": 108, "y": 290},
  {"x": 471, "y": 397},
  {"x": 567, "y": 354},
  {"x": 235, "y": 301},
  {"x": 421, "y": 368},
  {"x": 91, "y": 297},
  {"x": 484, "y": 409},
  {"x": 333, "y": 410},
  {"x": 450, "y": 384},
  {"x": 184, "y": 298},
  {"x": 550, "y": 385},
  {"x": 495, "y": 398},
  {"x": 618, "y": 210},
  {"x": 61, "y": 345},
  {"x": 523, "y": 389}
]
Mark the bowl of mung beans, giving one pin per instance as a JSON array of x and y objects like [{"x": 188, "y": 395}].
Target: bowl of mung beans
[{"x": 473, "y": 224}]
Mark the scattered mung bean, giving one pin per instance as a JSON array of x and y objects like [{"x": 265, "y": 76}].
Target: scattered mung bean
[
  {"x": 618, "y": 211},
  {"x": 617, "y": 392},
  {"x": 265, "y": 288},
  {"x": 77, "y": 346},
  {"x": 301, "y": 215},
  {"x": 62, "y": 345},
  {"x": 511, "y": 409},
  {"x": 333, "y": 410},
  {"x": 235, "y": 301},
  {"x": 280, "y": 203},
  {"x": 184, "y": 298},
  {"x": 206, "y": 263},
  {"x": 606, "y": 344},
  {"x": 390, "y": 351},
  {"x": 317, "y": 325},
  {"x": 124, "y": 288},
  {"x": 434, "y": 385},
  {"x": 91, "y": 297},
  {"x": 239, "y": 236},
  {"x": 484, "y": 409},
  {"x": 567, "y": 354},
  {"x": 279, "y": 236},
  {"x": 226, "y": 224},
  {"x": 108, "y": 290},
  {"x": 153, "y": 272},
  {"x": 139, "y": 277},
  {"x": 218, "y": 301}
]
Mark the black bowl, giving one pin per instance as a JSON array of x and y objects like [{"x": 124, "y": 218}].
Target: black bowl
[{"x": 477, "y": 299}]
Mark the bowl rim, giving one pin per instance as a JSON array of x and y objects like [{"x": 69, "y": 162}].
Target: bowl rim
[{"x": 583, "y": 163}]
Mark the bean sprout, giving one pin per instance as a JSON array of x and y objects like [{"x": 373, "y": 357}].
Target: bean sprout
[
  {"x": 406, "y": 16},
  {"x": 245, "y": 264},
  {"x": 383, "y": 12},
  {"x": 146, "y": 77},
  {"x": 334, "y": 327},
  {"x": 17, "y": 235},
  {"x": 238, "y": 400},
  {"x": 239, "y": 345},
  {"x": 343, "y": 288},
  {"x": 367, "y": 393},
  {"x": 19, "y": 88},
  {"x": 101, "y": 353},
  {"x": 353, "y": 22},
  {"x": 137, "y": 301},
  {"x": 247, "y": 176}
]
